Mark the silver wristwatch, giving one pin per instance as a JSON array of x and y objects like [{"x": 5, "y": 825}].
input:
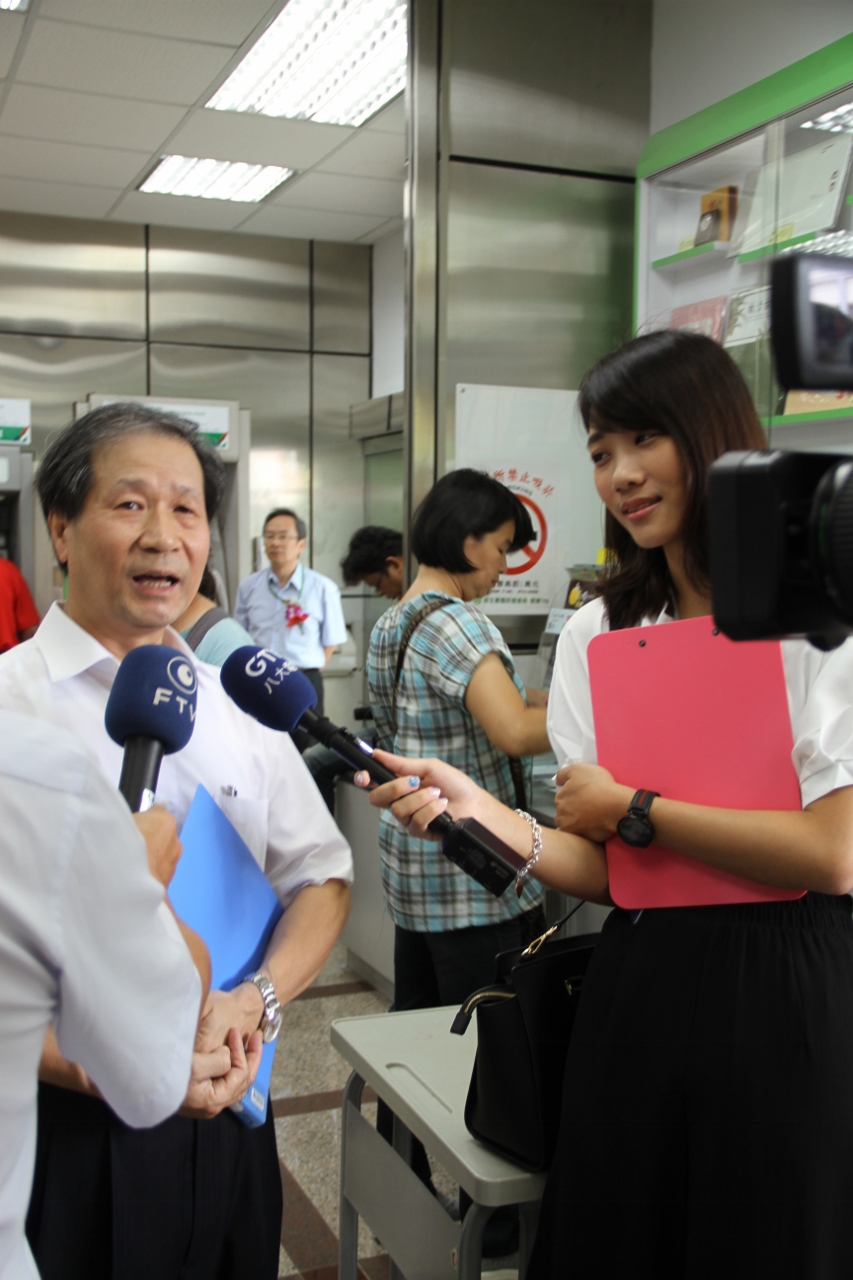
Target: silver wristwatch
[{"x": 273, "y": 1012}]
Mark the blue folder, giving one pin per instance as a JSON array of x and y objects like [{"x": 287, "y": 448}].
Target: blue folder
[{"x": 220, "y": 891}]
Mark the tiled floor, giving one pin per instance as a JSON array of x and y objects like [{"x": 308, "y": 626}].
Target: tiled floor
[{"x": 308, "y": 1079}]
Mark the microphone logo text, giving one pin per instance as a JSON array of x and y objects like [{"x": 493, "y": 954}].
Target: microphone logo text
[{"x": 261, "y": 662}]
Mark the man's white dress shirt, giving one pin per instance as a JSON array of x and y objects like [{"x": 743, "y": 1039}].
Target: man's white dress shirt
[
  {"x": 261, "y": 607},
  {"x": 87, "y": 944},
  {"x": 256, "y": 776}
]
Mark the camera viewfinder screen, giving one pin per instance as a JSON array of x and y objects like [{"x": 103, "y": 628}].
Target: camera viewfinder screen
[{"x": 831, "y": 298}]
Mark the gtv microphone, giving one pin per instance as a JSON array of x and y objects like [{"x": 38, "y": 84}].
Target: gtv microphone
[
  {"x": 151, "y": 713},
  {"x": 269, "y": 688}
]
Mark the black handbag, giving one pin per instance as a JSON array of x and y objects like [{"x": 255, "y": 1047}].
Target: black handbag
[{"x": 524, "y": 1024}]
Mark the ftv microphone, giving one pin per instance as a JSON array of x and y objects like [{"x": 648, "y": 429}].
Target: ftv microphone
[
  {"x": 266, "y": 686},
  {"x": 150, "y": 712}
]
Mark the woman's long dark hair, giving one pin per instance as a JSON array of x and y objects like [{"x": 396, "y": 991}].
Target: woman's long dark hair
[{"x": 686, "y": 385}]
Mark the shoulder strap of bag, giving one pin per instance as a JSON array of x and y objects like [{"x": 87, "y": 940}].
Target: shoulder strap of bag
[
  {"x": 196, "y": 634},
  {"x": 515, "y": 766},
  {"x": 411, "y": 626}
]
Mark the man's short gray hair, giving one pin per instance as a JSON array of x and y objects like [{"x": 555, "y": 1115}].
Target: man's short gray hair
[{"x": 66, "y": 474}]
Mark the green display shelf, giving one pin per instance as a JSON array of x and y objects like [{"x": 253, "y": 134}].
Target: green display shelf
[
  {"x": 766, "y": 249},
  {"x": 825, "y": 71},
  {"x": 674, "y": 258},
  {"x": 792, "y": 419}
]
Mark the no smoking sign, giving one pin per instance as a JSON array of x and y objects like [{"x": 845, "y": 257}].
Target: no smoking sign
[{"x": 527, "y": 557}]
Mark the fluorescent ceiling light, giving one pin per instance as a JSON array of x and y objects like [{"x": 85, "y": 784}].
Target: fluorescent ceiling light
[
  {"x": 336, "y": 61},
  {"x": 18, "y": 5},
  {"x": 214, "y": 179},
  {"x": 838, "y": 121}
]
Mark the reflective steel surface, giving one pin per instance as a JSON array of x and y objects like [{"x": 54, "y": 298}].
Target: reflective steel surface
[
  {"x": 53, "y": 373},
  {"x": 337, "y": 508},
  {"x": 538, "y": 277},
  {"x": 69, "y": 276},
  {"x": 562, "y": 83},
  {"x": 341, "y": 283},
  {"x": 247, "y": 291}
]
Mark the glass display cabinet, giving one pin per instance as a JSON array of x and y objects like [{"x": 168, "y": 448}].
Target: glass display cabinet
[{"x": 765, "y": 172}]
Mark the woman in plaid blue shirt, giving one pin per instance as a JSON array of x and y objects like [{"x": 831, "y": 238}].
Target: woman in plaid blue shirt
[{"x": 458, "y": 697}]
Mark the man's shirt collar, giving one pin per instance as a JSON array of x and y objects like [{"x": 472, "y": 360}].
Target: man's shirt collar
[
  {"x": 69, "y": 650},
  {"x": 294, "y": 582}
]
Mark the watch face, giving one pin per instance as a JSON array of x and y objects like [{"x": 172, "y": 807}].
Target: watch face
[{"x": 636, "y": 831}]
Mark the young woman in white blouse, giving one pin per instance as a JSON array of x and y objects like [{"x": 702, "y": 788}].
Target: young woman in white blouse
[{"x": 707, "y": 1123}]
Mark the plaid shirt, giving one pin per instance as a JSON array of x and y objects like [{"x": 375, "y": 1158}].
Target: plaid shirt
[{"x": 425, "y": 891}]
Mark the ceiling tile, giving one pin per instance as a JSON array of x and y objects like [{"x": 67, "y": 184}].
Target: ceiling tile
[
  {"x": 95, "y": 166},
  {"x": 350, "y": 195},
  {"x": 232, "y": 135},
  {"x": 368, "y": 155},
  {"x": 310, "y": 224},
  {"x": 11, "y": 27},
  {"x": 391, "y": 119},
  {"x": 213, "y": 21},
  {"x": 179, "y": 211},
  {"x": 58, "y": 115},
  {"x": 66, "y": 56},
  {"x": 63, "y": 198},
  {"x": 388, "y": 228}
]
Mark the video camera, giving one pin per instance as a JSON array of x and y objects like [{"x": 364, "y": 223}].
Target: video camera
[{"x": 781, "y": 523}]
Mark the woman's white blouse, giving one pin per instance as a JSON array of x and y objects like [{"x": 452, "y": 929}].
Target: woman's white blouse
[{"x": 820, "y": 702}]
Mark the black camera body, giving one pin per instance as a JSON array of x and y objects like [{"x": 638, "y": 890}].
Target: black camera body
[
  {"x": 781, "y": 545},
  {"x": 781, "y": 523}
]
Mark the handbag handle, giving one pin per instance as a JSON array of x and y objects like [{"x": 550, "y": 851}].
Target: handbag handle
[
  {"x": 496, "y": 991},
  {"x": 537, "y": 942}
]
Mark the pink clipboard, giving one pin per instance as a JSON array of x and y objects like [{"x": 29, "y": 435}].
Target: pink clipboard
[{"x": 682, "y": 710}]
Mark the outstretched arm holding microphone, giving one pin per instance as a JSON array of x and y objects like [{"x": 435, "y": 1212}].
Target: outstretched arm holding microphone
[{"x": 426, "y": 789}]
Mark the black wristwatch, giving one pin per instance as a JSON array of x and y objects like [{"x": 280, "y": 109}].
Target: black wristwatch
[{"x": 636, "y": 827}]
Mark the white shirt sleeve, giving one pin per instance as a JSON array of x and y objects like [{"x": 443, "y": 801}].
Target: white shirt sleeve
[
  {"x": 571, "y": 729},
  {"x": 820, "y": 695},
  {"x": 333, "y": 630},
  {"x": 129, "y": 991},
  {"x": 304, "y": 844}
]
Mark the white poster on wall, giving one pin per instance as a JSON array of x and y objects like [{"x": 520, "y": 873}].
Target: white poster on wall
[{"x": 531, "y": 440}]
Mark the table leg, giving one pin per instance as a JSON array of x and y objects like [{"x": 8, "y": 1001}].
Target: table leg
[
  {"x": 471, "y": 1242},
  {"x": 348, "y": 1224},
  {"x": 528, "y": 1215},
  {"x": 402, "y": 1141}
]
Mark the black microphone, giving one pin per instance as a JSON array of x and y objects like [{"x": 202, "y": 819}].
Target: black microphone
[
  {"x": 151, "y": 713},
  {"x": 276, "y": 693}
]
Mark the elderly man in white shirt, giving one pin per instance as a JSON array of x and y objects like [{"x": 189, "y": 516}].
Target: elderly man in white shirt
[
  {"x": 128, "y": 494},
  {"x": 87, "y": 943}
]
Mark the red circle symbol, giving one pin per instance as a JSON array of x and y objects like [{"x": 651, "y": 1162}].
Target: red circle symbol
[{"x": 532, "y": 554}]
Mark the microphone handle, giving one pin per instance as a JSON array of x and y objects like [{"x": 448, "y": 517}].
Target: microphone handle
[
  {"x": 359, "y": 754},
  {"x": 140, "y": 769}
]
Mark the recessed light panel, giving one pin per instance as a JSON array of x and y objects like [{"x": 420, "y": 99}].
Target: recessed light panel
[
  {"x": 17, "y": 6},
  {"x": 214, "y": 179},
  {"x": 335, "y": 61}
]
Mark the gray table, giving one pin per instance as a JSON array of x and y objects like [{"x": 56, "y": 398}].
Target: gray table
[{"x": 422, "y": 1072}]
